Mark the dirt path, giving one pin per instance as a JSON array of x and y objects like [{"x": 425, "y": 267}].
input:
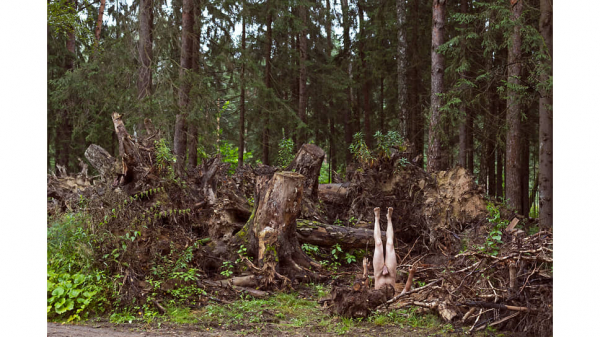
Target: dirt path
[{"x": 107, "y": 329}]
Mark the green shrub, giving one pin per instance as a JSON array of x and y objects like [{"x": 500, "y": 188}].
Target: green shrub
[{"x": 75, "y": 285}]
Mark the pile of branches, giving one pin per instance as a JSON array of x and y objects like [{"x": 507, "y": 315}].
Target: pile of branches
[{"x": 509, "y": 291}]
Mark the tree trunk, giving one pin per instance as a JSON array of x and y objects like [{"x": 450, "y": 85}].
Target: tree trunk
[
  {"x": 324, "y": 235},
  {"x": 270, "y": 233},
  {"x": 545, "y": 108},
  {"x": 99, "y": 22},
  {"x": 524, "y": 210},
  {"x": 308, "y": 162},
  {"x": 364, "y": 77},
  {"x": 417, "y": 125},
  {"x": 463, "y": 131},
  {"x": 499, "y": 173},
  {"x": 302, "y": 93},
  {"x": 145, "y": 49},
  {"x": 402, "y": 65},
  {"x": 265, "y": 134},
  {"x": 348, "y": 131},
  {"x": 192, "y": 135},
  {"x": 242, "y": 94},
  {"x": 435, "y": 157},
  {"x": 187, "y": 23},
  {"x": 513, "y": 114}
]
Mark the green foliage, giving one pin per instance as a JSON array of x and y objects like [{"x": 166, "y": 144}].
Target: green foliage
[
  {"x": 229, "y": 154},
  {"x": 384, "y": 145},
  {"x": 286, "y": 151},
  {"x": 494, "y": 238},
  {"x": 359, "y": 149},
  {"x": 75, "y": 286},
  {"x": 324, "y": 174},
  {"x": 309, "y": 249},
  {"x": 164, "y": 158}
]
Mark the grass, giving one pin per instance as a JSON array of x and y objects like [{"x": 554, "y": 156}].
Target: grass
[{"x": 295, "y": 313}]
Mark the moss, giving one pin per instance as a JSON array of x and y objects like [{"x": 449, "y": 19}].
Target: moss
[{"x": 272, "y": 249}]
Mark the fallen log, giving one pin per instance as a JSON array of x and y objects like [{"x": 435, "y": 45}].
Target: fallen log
[{"x": 325, "y": 235}]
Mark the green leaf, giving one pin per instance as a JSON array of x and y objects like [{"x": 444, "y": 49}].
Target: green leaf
[
  {"x": 58, "y": 291},
  {"x": 74, "y": 293},
  {"x": 78, "y": 279}
]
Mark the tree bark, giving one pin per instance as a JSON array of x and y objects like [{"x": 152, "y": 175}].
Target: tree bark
[
  {"x": 192, "y": 135},
  {"x": 545, "y": 109},
  {"x": 99, "y": 22},
  {"x": 463, "y": 131},
  {"x": 364, "y": 77},
  {"x": 348, "y": 131},
  {"x": 308, "y": 162},
  {"x": 324, "y": 235},
  {"x": 242, "y": 93},
  {"x": 302, "y": 93},
  {"x": 145, "y": 49},
  {"x": 416, "y": 124},
  {"x": 265, "y": 133},
  {"x": 402, "y": 65},
  {"x": 513, "y": 114},
  {"x": 270, "y": 233},
  {"x": 435, "y": 157},
  {"x": 187, "y": 23}
]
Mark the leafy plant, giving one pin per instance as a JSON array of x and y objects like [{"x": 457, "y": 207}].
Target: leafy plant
[
  {"x": 227, "y": 269},
  {"x": 310, "y": 249},
  {"x": 494, "y": 237},
  {"x": 164, "y": 158},
  {"x": 286, "y": 153}
]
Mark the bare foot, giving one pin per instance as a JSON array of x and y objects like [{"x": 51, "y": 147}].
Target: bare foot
[
  {"x": 390, "y": 210},
  {"x": 376, "y": 210}
]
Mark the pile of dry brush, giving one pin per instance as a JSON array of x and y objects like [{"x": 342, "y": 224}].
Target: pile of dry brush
[{"x": 146, "y": 212}]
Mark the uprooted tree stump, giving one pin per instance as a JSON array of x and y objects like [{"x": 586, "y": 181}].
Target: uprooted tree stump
[{"x": 271, "y": 231}]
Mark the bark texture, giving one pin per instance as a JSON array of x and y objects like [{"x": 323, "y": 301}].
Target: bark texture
[
  {"x": 99, "y": 22},
  {"x": 271, "y": 231},
  {"x": 180, "y": 138},
  {"x": 145, "y": 49},
  {"x": 242, "y": 96},
  {"x": 545, "y": 108},
  {"x": 513, "y": 112},
  {"x": 265, "y": 133},
  {"x": 402, "y": 65},
  {"x": 302, "y": 92},
  {"x": 434, "y": 151}
]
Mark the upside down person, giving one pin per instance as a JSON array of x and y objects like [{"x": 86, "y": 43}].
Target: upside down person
[{"x": 385, "y": 267}]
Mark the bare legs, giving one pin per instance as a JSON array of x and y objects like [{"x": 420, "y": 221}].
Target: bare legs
[
  {"x": 385, "y": 269},
  {"x": 390, "y": 254},
  {"x": 378, "y": 261}
]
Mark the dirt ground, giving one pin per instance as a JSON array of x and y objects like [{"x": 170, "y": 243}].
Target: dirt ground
[{"x": 130, "y": 330}]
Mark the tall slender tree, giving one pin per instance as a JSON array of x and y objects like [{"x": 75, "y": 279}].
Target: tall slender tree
[
  {"x": 99, "y": 21},
  {"x": 513, "y": 112},
  {"x": 402, "y": 65},
  {"x": 266, "y": 112},
  {"x": 545, "y": 110},
  {"x": 302, "y": 92},
  {"x": 242, "y": 90},
  {"x": 144, "y": 84},
  {"x": 192, "y": 137},
  {"x": 187, "y": 23},
  {"x": 434, "y": 151}
]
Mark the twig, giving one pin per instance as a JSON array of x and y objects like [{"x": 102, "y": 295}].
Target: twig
[
  {"x": 395, "y": 298},
  {"x": 496, "y": 306},
  {"x": 498, "y": 321}
]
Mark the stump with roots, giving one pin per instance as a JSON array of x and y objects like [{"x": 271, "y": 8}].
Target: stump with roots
[{"x": 271, "y": 230}]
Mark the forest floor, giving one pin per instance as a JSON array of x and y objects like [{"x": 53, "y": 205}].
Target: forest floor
[{"x": 281, "y": 314}]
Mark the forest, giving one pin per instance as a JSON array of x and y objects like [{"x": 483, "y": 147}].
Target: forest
[{"x": 216, "y": 164}]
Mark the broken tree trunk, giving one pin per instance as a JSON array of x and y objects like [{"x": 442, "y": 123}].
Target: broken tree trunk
[
  {"x": 103, "y": 162},
  {"x": 358, "y": 302},
  {"x": 271, "y": 230},
  {"x": 308, "y": 163}
]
